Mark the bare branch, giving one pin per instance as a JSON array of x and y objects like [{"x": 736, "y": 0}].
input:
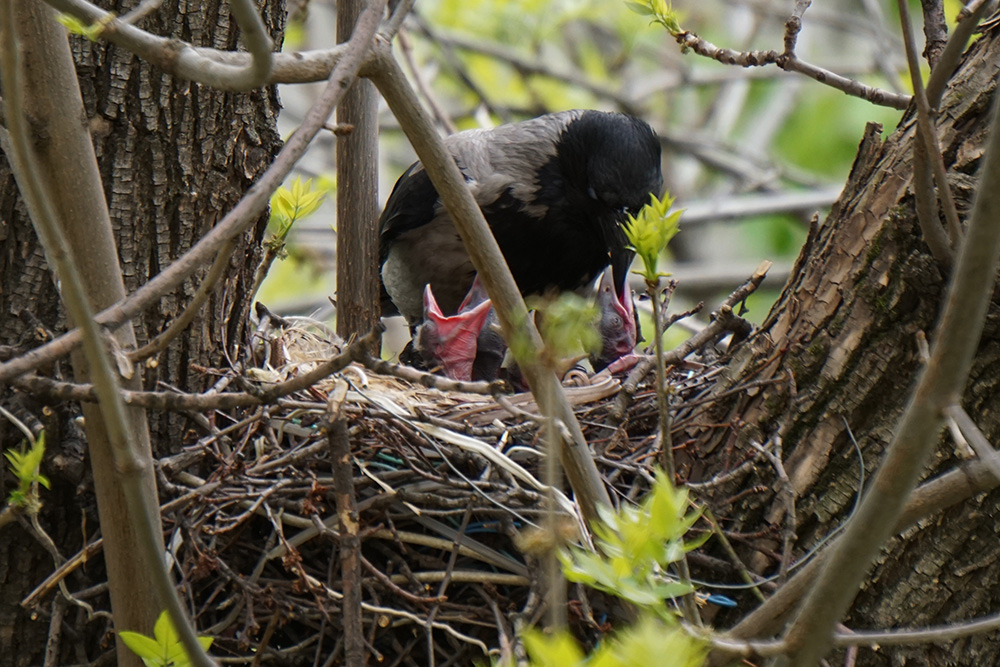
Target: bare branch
[
  {"x": 790, "y": 63},
  {"x": 181, "y": 59},
  {"x": 492, "y": 269},
  {"x": 935, "y": 30},
  {"x": 989, "y": 456},
  {"x": 162, "y": 400},
  {"x": 928, "y": 136},
  {"x": 968, "y": 19},
  {"x": 205, "y": 290},
  {"x": 931, "y": 497}
]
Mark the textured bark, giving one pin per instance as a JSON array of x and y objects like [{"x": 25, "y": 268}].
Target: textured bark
[
  {"x": 174, "y": 157},
  {"x": 845, "y": 328},
  {"x": 357, "y": 198}
]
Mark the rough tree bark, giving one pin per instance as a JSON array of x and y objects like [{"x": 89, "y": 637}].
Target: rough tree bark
[
  {"x": 174, "y": 157},
  {"x": 357, "y": 198},
  {"x": 840, "y": 347}
]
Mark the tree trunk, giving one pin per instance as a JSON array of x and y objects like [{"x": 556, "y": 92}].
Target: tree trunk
[
  {"x": 174, "y": 157},
  {"x": 838, "y": 356}
]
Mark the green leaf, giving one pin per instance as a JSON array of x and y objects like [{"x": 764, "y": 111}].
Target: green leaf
[
  {"x": 294, "y": 203},
  {"x": 71, "y": 23},
  {"x": 145, "y": 647},
  {"x": 558, "y": 650},
  {"x": 649, "y": 232},
  {"x": 26, "y": 466},
  {"x": 640, "y": 8},
  {"x": 92, "y": 32},
  {"x": 164, "y": 648}
]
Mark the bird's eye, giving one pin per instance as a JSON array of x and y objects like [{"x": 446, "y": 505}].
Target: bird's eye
[{"x": 591, "y": 193}]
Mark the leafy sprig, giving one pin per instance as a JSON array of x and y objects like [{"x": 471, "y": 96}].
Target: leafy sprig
[
  {"x": 164, "y": 648},
  {"x": 661, "y": 11},
  {"x": 649, "y": 232},
  {"x": 92, "y": 32},
  {"x": 295, "y": 203},
  {"x": 636, "y": 546},
  {"x": 26, "y": 467}
]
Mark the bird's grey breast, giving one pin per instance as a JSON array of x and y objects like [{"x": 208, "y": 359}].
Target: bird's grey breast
[{"x": 433, "y": 254}]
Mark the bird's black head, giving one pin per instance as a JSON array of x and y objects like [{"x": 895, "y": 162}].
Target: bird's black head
[{"x": 619, "y": 159}]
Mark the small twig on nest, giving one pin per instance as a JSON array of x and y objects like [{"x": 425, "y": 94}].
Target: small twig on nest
[
  {"x": 724, "y": 321},
  {"x": 211, "y": 400},
  {"x": 787, "y": 491},
  {"x": 411, "y": 374}
]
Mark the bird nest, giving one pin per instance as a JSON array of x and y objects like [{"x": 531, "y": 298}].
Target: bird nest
[{"x": 436, "y": 482}]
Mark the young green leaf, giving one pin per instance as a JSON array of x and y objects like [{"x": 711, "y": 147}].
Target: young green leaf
[
  {"x": 558, "y": 650},
  {"x": 164, "y": 648},
  {"x": 291, "y": 204},
  {"x": 636, "y": 545},
  {"x": 649, "y": 232},
  {"x": 26, "y": 467}
]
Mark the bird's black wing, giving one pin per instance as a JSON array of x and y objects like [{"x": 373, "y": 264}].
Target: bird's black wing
[{"x": 411, "y": 204}]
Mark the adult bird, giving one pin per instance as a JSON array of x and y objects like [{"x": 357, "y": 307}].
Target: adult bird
[{"x": 554, "y": 190}]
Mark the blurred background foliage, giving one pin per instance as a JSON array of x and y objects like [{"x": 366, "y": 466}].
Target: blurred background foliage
[{"x": 751, "y": 153}]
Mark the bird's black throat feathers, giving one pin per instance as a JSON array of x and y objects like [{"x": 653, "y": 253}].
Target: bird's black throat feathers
[{"x": 553, "y": 190}]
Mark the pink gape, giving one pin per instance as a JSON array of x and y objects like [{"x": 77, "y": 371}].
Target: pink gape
[
  {"x": 617, "y": 324},
  {"x": 452, "y": 340}
]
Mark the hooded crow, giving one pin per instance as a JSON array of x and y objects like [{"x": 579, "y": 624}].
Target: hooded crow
[{"x": 554, "y": 190}]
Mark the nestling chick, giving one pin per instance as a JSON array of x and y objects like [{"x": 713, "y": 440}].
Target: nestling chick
[
  {"x": 466, "y": 345},
  {"x": 617, "y": 323}
]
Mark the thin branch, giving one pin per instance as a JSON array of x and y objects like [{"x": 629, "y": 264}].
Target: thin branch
[
  {"x": 141, "y": 11},
  {"x": 989, "y": 456},
  {"x": 935, "y": 30},
  {"x": 236, "y": 221},
  {"x": 184, "y": 60},
  {"x": 739, "y": 207},
  {"x": 395, "y": 21},
  {"x": 348, "y": 526},
  {"x": 489, "y": 262},
  {"x": 418, "y": 78},
  {"x": 790, "y": 63},
  {"x": 530, "y": 66},
  {"x": 720, "y": 323},
  {"x": 940, "y": 383},
  {"x": 205, "y": 290},
  {"x": 927, "y": 134},
  {"x": 411, "y": 374},
  {"x": 210, "y": 400},
  {"x": 958, "y": 485},
  {"x": 939, "y": 634},
  {"x": 947, "y": 62},
  {"x": 261, "y": 48},
  {"x": 205, "y": 65},
  {"x": 787, "y": 493}
]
